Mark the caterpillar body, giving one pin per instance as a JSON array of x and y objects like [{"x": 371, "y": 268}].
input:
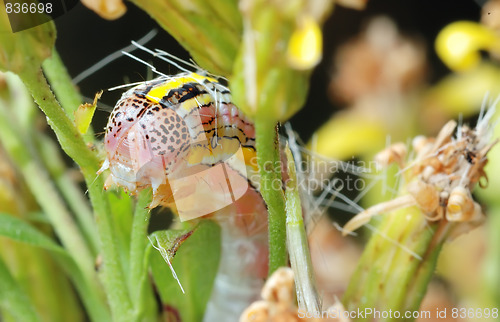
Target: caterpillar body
[{"x": 183, "y": 136}]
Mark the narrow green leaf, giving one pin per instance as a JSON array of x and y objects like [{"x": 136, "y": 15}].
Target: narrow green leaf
[
  {"x": 298, "y": 247},
  {"x": 196, "y": 261},
  {"x": 13, "y": 299},
  {"x": 19, "y": 230}
]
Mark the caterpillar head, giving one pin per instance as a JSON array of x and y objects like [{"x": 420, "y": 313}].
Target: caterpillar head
[{"x": 143, "y": 142}]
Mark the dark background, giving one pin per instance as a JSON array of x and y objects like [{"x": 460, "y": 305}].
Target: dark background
[{"x": 84, "y": 38}]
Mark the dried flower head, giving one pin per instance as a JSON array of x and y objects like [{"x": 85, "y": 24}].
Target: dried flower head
[
  {"x": 278, "y": 304},
  {"x": 442, "y": 175}
]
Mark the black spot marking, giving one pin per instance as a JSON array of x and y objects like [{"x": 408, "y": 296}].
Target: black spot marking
[{"x": 139, "y": 115}]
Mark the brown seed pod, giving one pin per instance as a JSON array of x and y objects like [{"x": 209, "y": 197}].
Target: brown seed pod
[
  {"x": 460, "y": 205},
  {"x": 396, "y": 153},
  {"x": 426, "y": 196}
]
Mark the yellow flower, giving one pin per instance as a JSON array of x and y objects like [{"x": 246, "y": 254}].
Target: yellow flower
[{"x": 459, "y": 44}]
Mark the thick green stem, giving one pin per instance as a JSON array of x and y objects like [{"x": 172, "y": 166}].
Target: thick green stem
[
  {"x": 61, "y": 83},
  {"x": 73, "y": 144},
  {"x": 70, "y": 139},
  {"x": 139, "y": 242},
  {"x": 268, "y": 159},
  {"x": 396, "y": 265},
  {"x": 113, "y": 276},
  {"x": 63, "y": 87}
]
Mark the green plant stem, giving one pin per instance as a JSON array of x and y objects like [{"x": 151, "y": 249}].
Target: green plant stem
[
  {"x": 139, "y": 242},
  {"x": 25, "y": 115},
  {"x": 70, "y": 139},
  {"x": 73, "y": 144},
  {"x": 60, "y": 81},
  {"x": 396, "y": 265},
  {"x": 23, "y": 153},
  {"x": 113, "y": 276},
  {"x": 69, "y": 189},
  {"x": 147, "y": 300},
  {"x": 80, "y": 207},
  {"x": 95, "y": 306},
  {"x": 63, "y": 87},
  {"x": 51, "y": 203},
  {"x": 268, "y": 159}
]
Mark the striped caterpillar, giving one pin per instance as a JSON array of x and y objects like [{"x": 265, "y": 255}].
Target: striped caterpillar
[{"x": 183, "y": 136}]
